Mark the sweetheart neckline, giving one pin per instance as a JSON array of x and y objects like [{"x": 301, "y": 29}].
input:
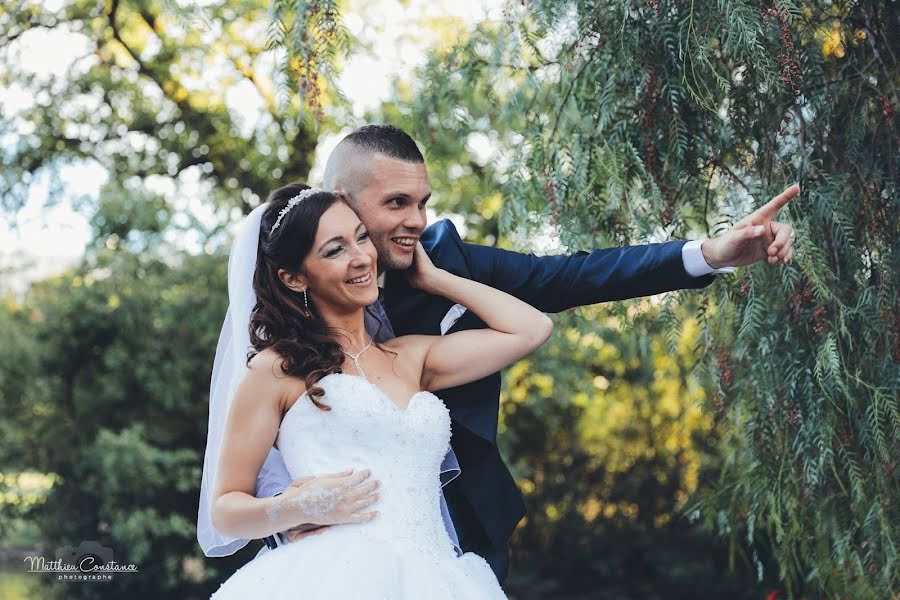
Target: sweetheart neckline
[{"x": 386, "y": 398}]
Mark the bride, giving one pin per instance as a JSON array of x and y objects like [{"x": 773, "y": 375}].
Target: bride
[{"x": 317, "y": 387}]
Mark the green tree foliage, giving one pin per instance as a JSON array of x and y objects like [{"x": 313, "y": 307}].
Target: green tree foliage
[
  {"x": 148, "y": 98},
  {"x": 112, "y": 401},
  {"x": 609, "y": 439},
  {"x": 642, "y": 122}
]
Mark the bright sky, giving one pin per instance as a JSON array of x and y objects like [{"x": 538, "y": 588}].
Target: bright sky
[{"x": 396, "y": 34}]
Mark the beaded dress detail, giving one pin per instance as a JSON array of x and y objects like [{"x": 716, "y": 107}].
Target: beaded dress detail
[{"x": 402, "y": 554}]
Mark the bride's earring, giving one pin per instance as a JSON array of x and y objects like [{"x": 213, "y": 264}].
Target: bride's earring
[{"x": 306, "y": 302}]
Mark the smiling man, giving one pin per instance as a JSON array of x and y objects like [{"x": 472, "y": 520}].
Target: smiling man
[{"x": 382, "y": 174}]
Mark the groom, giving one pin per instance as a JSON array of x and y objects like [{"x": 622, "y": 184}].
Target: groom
[{"x": 381, "y": 172}]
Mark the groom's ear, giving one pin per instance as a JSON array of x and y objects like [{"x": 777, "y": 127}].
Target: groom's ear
[{"x": 293, "y": 281}]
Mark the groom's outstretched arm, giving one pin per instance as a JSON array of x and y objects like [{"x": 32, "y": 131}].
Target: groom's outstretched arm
[{"x": 556, "y": 283}]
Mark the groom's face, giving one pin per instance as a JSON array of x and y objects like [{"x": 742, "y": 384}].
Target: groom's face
[{"x": 391, "y": 204}]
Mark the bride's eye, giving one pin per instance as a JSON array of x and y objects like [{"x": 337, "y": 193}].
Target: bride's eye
[
  {"x": 333, "y": 251},
  {"x": 363, "y": 236}
]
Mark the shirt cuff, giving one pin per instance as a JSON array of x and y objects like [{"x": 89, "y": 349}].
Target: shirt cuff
[{"x": 694, "y": 263}]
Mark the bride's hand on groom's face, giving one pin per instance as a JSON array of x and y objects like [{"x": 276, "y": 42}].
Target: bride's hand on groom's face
[{"x": 423, "y": 273}]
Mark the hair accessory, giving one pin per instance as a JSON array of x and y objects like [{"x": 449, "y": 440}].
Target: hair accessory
[{"x": 292, "y": 203}]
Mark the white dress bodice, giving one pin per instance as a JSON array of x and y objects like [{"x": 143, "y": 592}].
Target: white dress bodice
[{"x": 403, "y": 447}]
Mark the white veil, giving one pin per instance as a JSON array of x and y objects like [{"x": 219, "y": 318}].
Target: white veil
[{"x": 228, "y": 369}]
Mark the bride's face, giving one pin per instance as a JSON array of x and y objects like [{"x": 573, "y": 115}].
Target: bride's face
[{"x": 341, "y": 265}]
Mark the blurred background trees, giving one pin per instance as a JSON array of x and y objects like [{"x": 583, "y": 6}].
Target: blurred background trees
[{"x": 721, "y": 443}]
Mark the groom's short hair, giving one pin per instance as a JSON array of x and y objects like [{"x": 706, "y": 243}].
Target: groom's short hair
[
  {"x": 386, "y": 139},
  {"x": 347, "y": 167}
]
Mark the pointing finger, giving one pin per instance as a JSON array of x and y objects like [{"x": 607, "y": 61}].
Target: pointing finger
[{"x": 768, "y": 210}]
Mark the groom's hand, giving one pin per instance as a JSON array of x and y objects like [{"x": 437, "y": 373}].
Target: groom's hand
[
  {"x": 302, "y": 531},
  {"x": 754, "y": 237}
]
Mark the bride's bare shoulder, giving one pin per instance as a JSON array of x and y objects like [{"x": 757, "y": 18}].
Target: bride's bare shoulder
[{"x": 265, "y": 371}]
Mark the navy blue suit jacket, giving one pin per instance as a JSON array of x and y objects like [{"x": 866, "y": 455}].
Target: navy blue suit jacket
[{"x": 549, "y": 283}]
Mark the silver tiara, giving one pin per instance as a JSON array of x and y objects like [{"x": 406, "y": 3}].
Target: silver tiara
[{"x": 292, "y": 203}]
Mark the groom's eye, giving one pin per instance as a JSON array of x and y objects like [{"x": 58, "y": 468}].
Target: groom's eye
[{"x": 398, "y": 201}]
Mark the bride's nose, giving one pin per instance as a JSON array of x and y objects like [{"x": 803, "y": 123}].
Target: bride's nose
[{"x": 359, "y": 257}]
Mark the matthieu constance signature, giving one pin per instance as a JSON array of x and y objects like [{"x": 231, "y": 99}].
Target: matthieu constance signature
[{"x": 89, "y": 561}]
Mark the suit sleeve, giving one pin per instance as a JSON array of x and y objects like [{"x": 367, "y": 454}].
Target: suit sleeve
[{"x": 557, "y": 283}]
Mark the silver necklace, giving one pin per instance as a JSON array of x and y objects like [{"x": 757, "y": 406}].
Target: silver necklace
[{"x": 355, "y": 359}]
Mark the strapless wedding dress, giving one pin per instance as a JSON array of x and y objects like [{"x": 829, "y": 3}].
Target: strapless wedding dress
[{"x": 404, "y": 553}]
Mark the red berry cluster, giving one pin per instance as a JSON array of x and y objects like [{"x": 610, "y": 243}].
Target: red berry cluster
[
  {"x": 310, "y": 90},
  {"x": 887, "y": 106},
  {"x": 723, "y": 363},
  {"x": 778, "y": 412},
  {"x": 791, "y": 412},
  {"x": 550, "y": 190},
  {"x": 790, "y": 72},
  {"x": 798, "y": 301},
  {"x": 668, "y": 215},
  {"x": 719, "y": 401},
  {"x": 820, "y": 317},
  {"x": 651, "y": 99},
  {"x": 745, "y": 285}
]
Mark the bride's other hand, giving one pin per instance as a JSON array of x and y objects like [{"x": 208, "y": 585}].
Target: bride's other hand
[
  {"x": 333, "y": 499},
  {"x": 423, "y": 273}
]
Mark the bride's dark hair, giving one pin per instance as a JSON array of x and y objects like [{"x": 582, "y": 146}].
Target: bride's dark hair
[{"x": 280, "y": 319}]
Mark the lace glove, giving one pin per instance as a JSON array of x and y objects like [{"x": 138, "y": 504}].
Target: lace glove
[{"x": 332, "y": 499}]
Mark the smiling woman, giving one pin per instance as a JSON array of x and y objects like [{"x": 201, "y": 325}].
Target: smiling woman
[{"x": 314, "y": 256}]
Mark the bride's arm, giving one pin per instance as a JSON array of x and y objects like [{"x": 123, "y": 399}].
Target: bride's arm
[
  {"x": 250, "y": 431},
  {"x": 516, "y": 329}
]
